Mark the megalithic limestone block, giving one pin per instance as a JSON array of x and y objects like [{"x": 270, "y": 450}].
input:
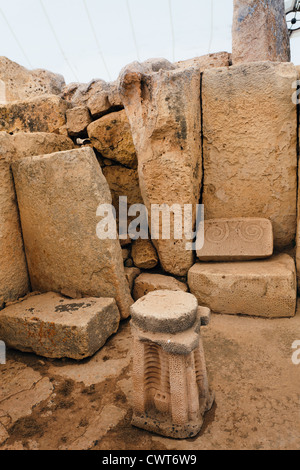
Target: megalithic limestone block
[
  {"x": 58, "y": 196},
  {"x": 259, "y": 32},
  {"x": 14, "y": 280},
  {"x": 250, "y": 145},
  {"x": 163, "y": 106}
]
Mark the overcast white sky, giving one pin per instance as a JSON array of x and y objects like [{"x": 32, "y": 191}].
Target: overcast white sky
[{"x": 143, "y": 31}]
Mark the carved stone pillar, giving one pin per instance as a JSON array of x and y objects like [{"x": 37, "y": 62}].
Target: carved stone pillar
[{"x": 170, "y": 385}]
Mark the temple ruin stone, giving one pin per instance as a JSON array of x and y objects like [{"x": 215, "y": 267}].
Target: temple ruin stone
[
  {"x": 58, "y": 196},
  {"x": 170, "y": 384},
  {"x": 78, "y": 120},
  {"x": 259, "y": 32},
  {"x": 250, "y": 145},
  {"x": 236, "y": 239},
  {"x": 264, "y": 288},
  {"x": 52, "y": 326},
  {"x": 144, "y": 254},
  {"x": 148, "y": 282}
]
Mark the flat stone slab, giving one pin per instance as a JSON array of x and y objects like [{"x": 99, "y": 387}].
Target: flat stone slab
[
  {"x": 265, "y": 288},
  {"x": 236, "y": 239},
  {"x": 52, "y": 326},
  {"x": 165, "y": 311}
]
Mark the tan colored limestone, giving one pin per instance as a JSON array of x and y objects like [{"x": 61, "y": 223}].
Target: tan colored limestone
[
  {"x": 265, "y": 288},
  {"x": 250, "y": 157},
  {"x": 219, "y": 59},
  {"x": 144, "y": 254},
  {"x": 163, "y": 108},
  {"x": 52, "y": 326},
  {"x": 131, "y": 275},
  {"x": 21, "y": 84},
  {"x": 236, "y": 239},
  {"x": 58, "y": 197},
  {"x": 148, "y": 282},
  {"x": 259, "y": 32},
  {"x": 78, "y": 120},
  {"x": 111, "y": 136},
  {"x": 14, "y": 281},
  {"x": 39, "y": 114},
  {"x": 170, "y": 385}
]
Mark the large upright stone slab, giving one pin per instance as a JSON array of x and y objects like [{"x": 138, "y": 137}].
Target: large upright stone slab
[
  {"x": 58, "y": 196},
  {"x": 52, "y": 326},
  {"x": 39, "y": 114},
  {"x": 236, "y": 239},
  {"x": 259, "y": 31},
  {"x": 14, "y": 281},
  {"x": 163, "y": 106},
  {"x": 250, "y": 145},
  {"x": 265, "y": 288}
]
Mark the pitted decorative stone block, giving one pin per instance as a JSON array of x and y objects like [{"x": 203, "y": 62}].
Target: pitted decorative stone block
[
  {"x": 236, "y": 239},
  {"x": 265, "y": 288},
  {"x": 170, "y": 386},
  {"x": 52, "y": 326}
]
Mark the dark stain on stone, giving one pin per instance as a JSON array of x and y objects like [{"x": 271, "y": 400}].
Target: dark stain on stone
[{"x": 71, "y": 307}]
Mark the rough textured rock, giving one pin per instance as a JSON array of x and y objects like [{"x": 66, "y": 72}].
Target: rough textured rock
[
  {"x": 40, "y": 114},
  {"x": 219, "y": 59},
  {"x": 131, "y": 275},
  {"x": 24, "y": 144},
  {"x": 144, "y": 254},
  {"x": 163, "y": 108},
  {"x": 52, "y": 326},
  {"x": 148, "y": 282},
  {"x": 14, "y": 281},
  {"x": 111, "y": 136},
  {"x": 78, "y": 120},
  {"x": 250, "y": 157},
  {"x": 265, "y": 288},
  {"x": 259, "y": 32},
  {"x": 236, "y": 239},
  {"x": 21, "y": 84},
  {"x": 58, "y": 197},
  {"x": 100, "y": 97}
]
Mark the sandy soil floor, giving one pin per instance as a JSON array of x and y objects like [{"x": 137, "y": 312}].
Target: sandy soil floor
[{"x": 49, "y": 404}]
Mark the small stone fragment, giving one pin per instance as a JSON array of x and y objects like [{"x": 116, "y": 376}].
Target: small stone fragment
[
  {"x": 144, "y": 254},
  {"x": 148, "y": 282}
]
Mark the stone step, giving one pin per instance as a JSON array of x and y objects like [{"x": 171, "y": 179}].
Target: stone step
[
  {"x": 52, "y": 326},
  {"x": 265, "y": 288},
  {"x": 236, "y": 239}
]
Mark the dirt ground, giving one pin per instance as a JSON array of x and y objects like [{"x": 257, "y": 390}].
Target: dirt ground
[{"x": 51, "y": 404}]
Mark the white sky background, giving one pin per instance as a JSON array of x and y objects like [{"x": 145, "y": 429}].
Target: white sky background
[{"x": 151, "y": 19}]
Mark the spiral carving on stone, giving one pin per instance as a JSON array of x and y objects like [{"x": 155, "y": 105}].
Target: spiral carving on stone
[
  {"x": 250, "y": 232},
  {"x": 217, "y": 233}
]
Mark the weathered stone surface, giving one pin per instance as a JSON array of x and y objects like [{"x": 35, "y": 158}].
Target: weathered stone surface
[
  {"x": 78, "y": 120},
  {"x": 144, "y": 254},
  {"x": 163, "y": 108},
  {"x": 148, "y": 282},
  {"x": 236, "y": 239},
  {"x": 25, "y": 144},
  {"x": 131, "y": 275},
  {"x": 14, "y": 281},
  {"x": 265, "y": 288},
  {"x": 52, "y": 326},
  {"x": 58, "y": 197},
  {"x": 111, "y": 136},
  {"x": 250, "y": 158},
  {"x": 259, "y": 32},
  {"x": 100, "y": 97},
  {"x": 40, "y": 114},
  {"x": 219, "y": 59},
  {"x": 21, "y": 84},
  {"x": 205, "y": 315}
]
